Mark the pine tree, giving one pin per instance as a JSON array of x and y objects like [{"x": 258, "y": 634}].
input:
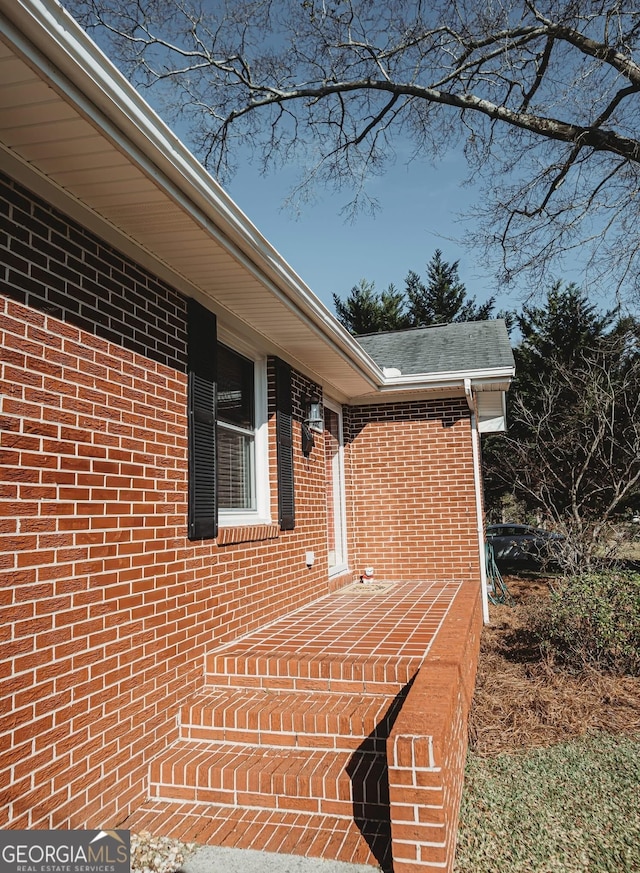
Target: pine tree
[
  {"x": 571, "y": 455},
  {"x": 366, "y": 311},
  {"x": 443, "y": 299}
]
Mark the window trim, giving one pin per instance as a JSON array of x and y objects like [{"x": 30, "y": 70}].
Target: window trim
[
  {"x": 262, "y": 512},
  {"x": 343, "y": 565}
]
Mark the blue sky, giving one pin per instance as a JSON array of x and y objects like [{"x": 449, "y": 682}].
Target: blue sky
[
  {"x": 419, "y": 212},
  {"x": 421, "y": 209}
]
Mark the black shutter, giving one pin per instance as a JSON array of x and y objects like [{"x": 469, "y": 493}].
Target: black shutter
[
  {"x": 284, "y": 439},
  {"x": 202, "y": 343}
]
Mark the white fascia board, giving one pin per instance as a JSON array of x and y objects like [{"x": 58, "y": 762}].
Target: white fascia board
[
  {"x": 55, "y": 44},
  {"x": 481, "y": 379},
  {"x": 79, "y": 69}
]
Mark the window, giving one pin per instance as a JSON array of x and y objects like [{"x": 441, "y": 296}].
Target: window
[
  {"x": 236, "y": 431},
  {"x": 228, "y": 452},
  {"x": 241, "y": 433}
]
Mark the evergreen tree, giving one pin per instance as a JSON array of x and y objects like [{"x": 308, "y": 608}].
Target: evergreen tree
[
  {"x": 366, "y": 311},
  {"x": 567, "y": 325},
  {"x": 443, "y": 299},
  {"x": 571, "y": 455},
  {"x": 565, "y": 330}
]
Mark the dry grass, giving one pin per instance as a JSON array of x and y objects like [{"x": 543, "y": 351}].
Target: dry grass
[
  {"x": 631, "y": 549},
  {"x": 521, "y": 701}
]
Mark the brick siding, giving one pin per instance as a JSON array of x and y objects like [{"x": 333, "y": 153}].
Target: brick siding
[
  {"x": 427, "y": 746},
  {"x": 108, "y": 610},
  {"x": 411, "y": 495}
]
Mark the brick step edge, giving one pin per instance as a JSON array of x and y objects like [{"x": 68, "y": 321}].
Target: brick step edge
[
  {"x": 302, "y": 683},
  {"x": 342, "y": 783},
  {"x": 286, "y": 671},
  {"x": 308, "y": 719},
  {"x": 299, "y": 833}
]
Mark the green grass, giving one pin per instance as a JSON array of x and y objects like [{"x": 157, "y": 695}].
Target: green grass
[{"x": 569, "y": 808}]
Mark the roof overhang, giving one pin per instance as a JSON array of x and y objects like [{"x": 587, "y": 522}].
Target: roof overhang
[
  {"x": 493, "y": 379},
  {"x": 74, "y": 130}
]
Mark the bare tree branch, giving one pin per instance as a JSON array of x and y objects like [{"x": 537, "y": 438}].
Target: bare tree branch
[
  {"x": 574, "y": 453},
  {"x": 546, "y": 92}
]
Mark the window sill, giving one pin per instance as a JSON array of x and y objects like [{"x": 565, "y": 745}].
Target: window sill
[{"x": 247, "y": 533}]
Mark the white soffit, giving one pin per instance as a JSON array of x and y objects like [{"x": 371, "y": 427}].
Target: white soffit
[
  {"x": 75, "y": 131},
  {"x": 155, "y": 199}
]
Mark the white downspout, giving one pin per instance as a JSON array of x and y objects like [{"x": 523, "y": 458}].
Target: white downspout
[{"x": 477, "y": 481}]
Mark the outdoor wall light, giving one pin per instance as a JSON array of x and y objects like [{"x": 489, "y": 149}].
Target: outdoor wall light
[
  {"x": 313, "y": 421},
  {"x": 313, "y": 414}
]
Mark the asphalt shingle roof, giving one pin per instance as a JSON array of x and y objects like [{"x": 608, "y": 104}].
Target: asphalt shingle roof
[{"x": 442, "y": 348}]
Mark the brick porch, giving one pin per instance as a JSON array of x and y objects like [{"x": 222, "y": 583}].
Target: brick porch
[{"x": 338, "y": 731}]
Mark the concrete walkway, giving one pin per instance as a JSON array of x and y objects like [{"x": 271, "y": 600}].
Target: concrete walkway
[{"x": 213, "y": 859}]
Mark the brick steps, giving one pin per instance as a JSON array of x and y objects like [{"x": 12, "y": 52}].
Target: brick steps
[
  {"x": 337, "y": 783},
  {"x": 307, "y": 719},
  {"x": 292, "y": 736},
  {"x": 289, "y": 671},
  {"x": 300, "y": 833}
]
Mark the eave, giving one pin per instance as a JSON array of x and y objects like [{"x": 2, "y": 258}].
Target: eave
[{"x": 74, "y": 130}]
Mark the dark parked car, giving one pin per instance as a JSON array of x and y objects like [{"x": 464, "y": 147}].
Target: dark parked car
[{"x": 522, "y": 545}]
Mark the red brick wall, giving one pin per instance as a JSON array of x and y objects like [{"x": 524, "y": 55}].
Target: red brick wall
[
  {"x": 411, "y": 500},
  {"x": 107, "y": 607}
]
